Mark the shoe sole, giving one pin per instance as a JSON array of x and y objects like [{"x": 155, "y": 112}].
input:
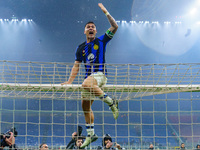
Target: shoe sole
[
  {"x": 92, "y": 140},
  {"x": 116, "y": 103}
]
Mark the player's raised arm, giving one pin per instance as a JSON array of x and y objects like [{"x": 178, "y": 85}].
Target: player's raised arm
[{"x": 112, "y": 21}]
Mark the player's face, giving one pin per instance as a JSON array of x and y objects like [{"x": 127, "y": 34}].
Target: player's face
[{"x": 90, "y": 31}]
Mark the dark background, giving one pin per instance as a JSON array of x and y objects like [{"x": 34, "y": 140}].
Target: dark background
[{"x": 58, "y": 26}]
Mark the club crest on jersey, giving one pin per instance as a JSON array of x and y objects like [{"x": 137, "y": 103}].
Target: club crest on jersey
[{"x": 96, "y": 47}]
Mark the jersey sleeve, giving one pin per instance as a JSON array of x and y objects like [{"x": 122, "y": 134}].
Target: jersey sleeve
[
  {"x": 78, "y": 55},
  {"x": 107, "y": 36}
]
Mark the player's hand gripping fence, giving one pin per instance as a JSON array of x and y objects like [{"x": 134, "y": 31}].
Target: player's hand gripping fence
[{"x": 125, "y": 81}]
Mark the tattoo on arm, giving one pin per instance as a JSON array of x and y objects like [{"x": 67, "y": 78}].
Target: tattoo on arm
[{"x": 113, "y": 23}]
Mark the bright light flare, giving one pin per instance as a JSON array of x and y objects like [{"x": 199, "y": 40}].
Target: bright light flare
[
  {"x": 117, "y": 21},
  {"x": 154, "y": 22},
  {"x": 198, "y": 2},
  {"x": 167, "y": 22},
  {"x": 124, "y": 22},
  {"x": 132, "y": 22},
  {"x": 15, "y": 20},
  {"x": 193, "y": 11},
  {"x": 178, "y": 22}
]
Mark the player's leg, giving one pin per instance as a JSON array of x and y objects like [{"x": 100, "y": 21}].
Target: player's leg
[
  {"x": 89, "y": 115},
  {"x": 90, "y": 90},
  {"x": 92, "y": 83},
  {"x": 89, "y": 119},
  {"x": 87, "y": 101}
]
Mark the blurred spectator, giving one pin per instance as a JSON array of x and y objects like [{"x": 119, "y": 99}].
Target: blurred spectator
[
  {"x": 108, "y": 144},
  {"x": 44, "y": 146},
  {"x": 198, "y": 147},
  {"x": 8, "y": 140},
  {"x": 182, "y": 146},
  {"x": 151, "y": 146},
  {"x": 77, "y": 140}
]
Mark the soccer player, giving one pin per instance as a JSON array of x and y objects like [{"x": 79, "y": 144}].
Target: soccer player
[{"x": 92, "y": 53}]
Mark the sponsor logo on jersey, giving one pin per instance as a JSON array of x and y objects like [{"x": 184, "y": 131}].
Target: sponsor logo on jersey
[{"x": 91, "y": 57}]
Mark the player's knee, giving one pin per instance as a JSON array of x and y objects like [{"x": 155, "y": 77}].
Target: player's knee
[{"x": 86, "y": 86}]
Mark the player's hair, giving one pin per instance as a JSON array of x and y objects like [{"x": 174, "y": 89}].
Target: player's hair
[{"x": 89, "y": 23}]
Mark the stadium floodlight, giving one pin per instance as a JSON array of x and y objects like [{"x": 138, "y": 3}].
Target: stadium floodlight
[
  {"x": 1, "y": 19},
  {"x": 118, "y": 22},
  {"x": 167, "y": 22},
  {"x": 133, "y": 22},
  {"x": 14, "y": 20},
  {"x": 178, "y": 22},
  {"x": 154, "y": 22},
  {"x": 123, "y": 22}
]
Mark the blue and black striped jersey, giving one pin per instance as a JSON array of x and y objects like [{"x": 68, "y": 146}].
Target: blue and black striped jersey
[{"x": 93, "y": 54}]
